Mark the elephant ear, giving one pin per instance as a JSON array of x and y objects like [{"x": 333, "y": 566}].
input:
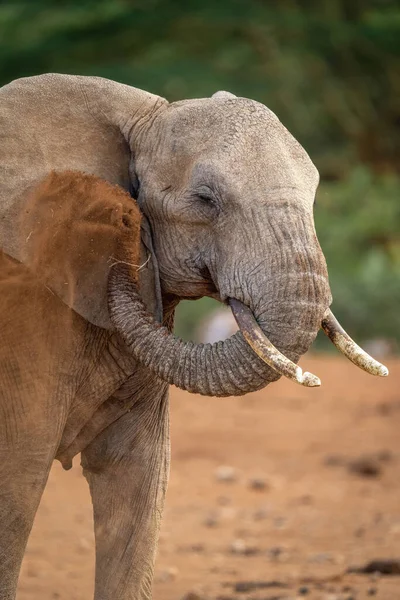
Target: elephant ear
[
  {"x": 75, "y": 227},
  {"x": 65, "y": 123}
]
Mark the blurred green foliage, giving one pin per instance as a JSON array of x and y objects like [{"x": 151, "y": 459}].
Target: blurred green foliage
[
  {"x": 329, "y": 68},
  {"x": 358, "y": 224}
]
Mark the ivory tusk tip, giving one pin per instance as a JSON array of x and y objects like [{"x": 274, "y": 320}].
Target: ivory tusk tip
[
  {"x": 310, "y": 380},
  {"x": 349, "y": 348}
]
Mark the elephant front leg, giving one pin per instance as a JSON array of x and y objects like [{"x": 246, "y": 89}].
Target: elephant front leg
[
  {"x": 24, "y": 468},
  {"x": 127, "y": 468}
]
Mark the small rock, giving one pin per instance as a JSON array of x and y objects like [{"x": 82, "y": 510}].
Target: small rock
[
  {"x": 239, "y": 546},
  {"x": 211, "y": 521},
  {"x": 192, "y": 596},
  {"x": 226, "y": 474},
  {"x": 277, "y": 553},
  {"x": 249, "y": 586},
  {"x": 365, "y": 466},
  {"x": 381, "y": 566},
  {"x": 372, "y": 591},
  {"x": 198, "y": 548},
  {"x": 245, "y": 586},
  {"x": 359, "y": 532},
  {"x": 258, "y": 484},
  {"x": 304, "y": 590}
]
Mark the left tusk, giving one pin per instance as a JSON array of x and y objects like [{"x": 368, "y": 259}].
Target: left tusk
[
  {"x": 349, "y": 348},
  {"x": 261, "y": 345}
]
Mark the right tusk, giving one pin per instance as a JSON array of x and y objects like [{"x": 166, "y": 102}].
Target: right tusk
[
  {"x": 349, "y": 348},
  {"x": 265, "y": 349}
]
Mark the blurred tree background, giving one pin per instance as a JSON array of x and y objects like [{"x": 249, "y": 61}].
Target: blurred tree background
[{"x": 330, "y": 69}]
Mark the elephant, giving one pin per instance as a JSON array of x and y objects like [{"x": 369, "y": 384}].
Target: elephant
[{"x": 114, "y": 206}]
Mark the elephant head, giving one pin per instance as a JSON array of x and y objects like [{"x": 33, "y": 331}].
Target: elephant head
[{"x": 227, "y": 194}]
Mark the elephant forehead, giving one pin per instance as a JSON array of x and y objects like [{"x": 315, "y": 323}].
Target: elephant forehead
[
  {"x": 227, "y": 119},
  {"x": 236, "y": 132}
]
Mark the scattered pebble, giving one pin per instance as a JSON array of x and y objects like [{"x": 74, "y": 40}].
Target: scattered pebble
[
  {"x": 304, "y": 590},
  {"x": 193, "y": 596},
  {"x": 277, "y": 553},
  {"x": 365, "y": 466},
  {"x": 372, "y": 591},
  {"x": 258, "y": 484},
  {"x": 211, "y": 521},
  {"x": 240, "y": 546},
  {"x": 359, "y": 532},
  {"x": 250, "y": 586},
  {"x": 389, "y": 566},
  {"x": 226, "y": 474}
]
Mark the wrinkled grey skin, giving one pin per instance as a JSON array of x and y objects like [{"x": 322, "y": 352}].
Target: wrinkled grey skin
[{"x": 228, "y": 194}]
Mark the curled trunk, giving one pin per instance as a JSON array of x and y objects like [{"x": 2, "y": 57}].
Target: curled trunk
[{"x": 226, "y": 368}]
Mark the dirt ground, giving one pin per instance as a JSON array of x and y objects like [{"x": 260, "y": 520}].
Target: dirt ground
[{"x": 288, "y": 486}]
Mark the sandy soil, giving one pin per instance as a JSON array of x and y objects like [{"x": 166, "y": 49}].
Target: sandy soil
[{"x": 312, "y": 490}]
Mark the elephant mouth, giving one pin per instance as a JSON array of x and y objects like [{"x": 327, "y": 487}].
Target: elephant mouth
[
  {"x": 193, "y": 290},
  {"x": 265, "y": 350}
]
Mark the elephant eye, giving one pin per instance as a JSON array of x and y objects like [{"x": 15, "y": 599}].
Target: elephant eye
[
  {"x": 206, "y": 196},
  {"x": 207, "y": 199}
]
